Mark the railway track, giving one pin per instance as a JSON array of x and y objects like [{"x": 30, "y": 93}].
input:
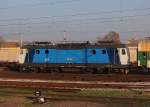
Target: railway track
[
  {"x": 76, "y": 85},
  {"x": 4, "y": 73},
  {"x": 76, "y": 77},
  {"x": 67, "y": 81}
]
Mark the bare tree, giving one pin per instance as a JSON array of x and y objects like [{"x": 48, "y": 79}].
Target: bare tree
[{"x": 111, "y": 37}]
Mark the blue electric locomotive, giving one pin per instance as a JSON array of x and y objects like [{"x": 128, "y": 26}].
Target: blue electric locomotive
[{"x": 73, "y": 56}]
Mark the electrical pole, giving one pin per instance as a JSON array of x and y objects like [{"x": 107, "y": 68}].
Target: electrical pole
[
  {"x": 21, "y": 37},
  {"x": 65, "y": 38}
]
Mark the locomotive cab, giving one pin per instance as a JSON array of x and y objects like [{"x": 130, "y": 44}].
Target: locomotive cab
[
  {"x": 123, "y": 55},
  {"x": 22, "y": 56}
]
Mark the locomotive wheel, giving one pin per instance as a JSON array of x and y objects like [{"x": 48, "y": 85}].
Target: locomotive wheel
[
  {"x": 23, "y": 69},
  {"x": 55, "y": 70},
  {"x": 59, "y": 70},
  {"x": 95, "y": 70},
  {"x": 103, "y": 70},
  {"x": 36, "y": 70},
  {"x": 90, "y": 70}
]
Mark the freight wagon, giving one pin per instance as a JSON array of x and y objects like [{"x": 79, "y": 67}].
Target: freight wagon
[
  {"x": 133, "y": 49},
  {"x": 9, "y": 53}
]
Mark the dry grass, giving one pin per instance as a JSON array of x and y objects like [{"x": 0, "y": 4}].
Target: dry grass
[{"x": 16, "y": 97}]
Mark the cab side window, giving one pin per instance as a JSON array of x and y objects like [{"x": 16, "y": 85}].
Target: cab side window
[
  {"x": 103, "y": 51},
  {"x": 123, "y": 51},
  {"x": 93, "y": 51},
  {"x": 46, "y": 51},
  {"x": 144, "y": 55},
  {"x": 37, "y": 51}
]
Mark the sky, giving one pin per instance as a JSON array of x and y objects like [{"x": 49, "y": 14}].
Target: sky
[{"x": 46, "y": 20}]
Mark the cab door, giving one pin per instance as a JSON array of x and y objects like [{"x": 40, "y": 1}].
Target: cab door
[
  {"x": 148, "y": 59},
  {"x": 144, "y": 59}
]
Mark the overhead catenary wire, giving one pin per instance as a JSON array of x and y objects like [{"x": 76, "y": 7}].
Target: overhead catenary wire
[
  {"x": 92, "y": 19},
  {"x": 41, "y": 3},
  {"x": 54, "y": 19},
  {"x": 77, "y": 14},
  {"x": 98, "y": 32}
]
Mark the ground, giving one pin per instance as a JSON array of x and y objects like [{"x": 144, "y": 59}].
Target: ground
[{"x": 21, "y": 97}]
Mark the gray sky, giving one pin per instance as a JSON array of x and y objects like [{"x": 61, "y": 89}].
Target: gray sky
[{"x": 82, "y": 19}]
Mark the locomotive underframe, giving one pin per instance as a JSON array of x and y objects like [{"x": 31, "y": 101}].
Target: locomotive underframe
[{"x": 82, "y": 68}]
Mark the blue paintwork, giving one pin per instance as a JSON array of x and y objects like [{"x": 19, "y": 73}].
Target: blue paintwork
[
  {"x": 39, "y": 58},
  {"x": 74, "y": 56},
  {"x": 113, "y": 55},
  {"x": 29, "y": 56},
  {"x": 98, "y": 57},
  {"x": 67, "y": 56}
]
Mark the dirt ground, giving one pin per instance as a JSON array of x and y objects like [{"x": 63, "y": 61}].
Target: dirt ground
[
  {"x": 20, "y": 101},
  {"x": 21, "y": 97}
]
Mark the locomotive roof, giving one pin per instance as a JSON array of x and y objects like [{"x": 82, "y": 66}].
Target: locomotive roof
[{"x": 72, "y": 45}]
